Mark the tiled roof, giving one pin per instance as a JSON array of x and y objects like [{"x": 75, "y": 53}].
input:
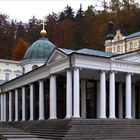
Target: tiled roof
[
  {"x": 90, "y": 52},
  {"x": 133, "y": 35},
  {"x": 94, "y": 52},
  {"x": 66, "y": 51}
]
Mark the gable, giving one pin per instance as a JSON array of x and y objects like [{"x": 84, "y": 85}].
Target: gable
[
  {"x": 56, "y": 56},
  {"x": 133, "y": 57}
]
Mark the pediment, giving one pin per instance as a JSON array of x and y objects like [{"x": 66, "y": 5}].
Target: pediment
[
  {"x": 133, "y": 57},
  {"x": 56, "y": 56}
]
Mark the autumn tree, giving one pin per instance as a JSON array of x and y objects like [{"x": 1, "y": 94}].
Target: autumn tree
[
  {"x": 19, "y": 49},
  {"x": 64, "y": 34},
  {"x": 78, "y": 29}
]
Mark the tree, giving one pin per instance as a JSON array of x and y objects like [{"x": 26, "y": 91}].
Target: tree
[
  {"x": 64, "y": 34},
  {"x": 61, "y": 16},
  {"x": 104, "y": 4},
  {"x": 115, "y": 6},
  {"x": 19, "y": 49},
  {"x": 33, "y": 29},
  {"x": 80, "y": 12},
  {"x": 69, "y": 13}
]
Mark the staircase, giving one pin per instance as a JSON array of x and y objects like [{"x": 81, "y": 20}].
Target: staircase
[
  {"x": 7, "y": 132},
  {"x": 49, "y": 129},
  {"x": 81, "y": 129},
  {"x": 104, "y": 130}
]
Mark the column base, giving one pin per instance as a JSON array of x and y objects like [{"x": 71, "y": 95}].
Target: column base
[
  {"x": 68, "y": 116},
  {"x": 31, "y": 119},
  {"x": 128, "y": 117},
  {"x": 52, "y": 118},
  {"x": 41, "y": 119},
  {"x": 23, "y": 120},
  {"x": 76, "y": 117},
  {"x": 112, "y": 117},
  {"x": 102, "y": 117}
]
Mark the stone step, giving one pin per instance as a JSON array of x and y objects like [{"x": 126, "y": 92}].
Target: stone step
[{"x": 79, "y": 129}]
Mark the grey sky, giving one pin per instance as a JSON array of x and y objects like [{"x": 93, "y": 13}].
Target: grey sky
[{"x": 25, "y": 9}]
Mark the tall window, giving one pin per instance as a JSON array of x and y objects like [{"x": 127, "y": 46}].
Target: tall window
[
  {"x": 139, "y": 44},
  {"x": 131, "y": 45},
  {"x": 118, "y": 48},
  {"x": 7, "y": 76}
]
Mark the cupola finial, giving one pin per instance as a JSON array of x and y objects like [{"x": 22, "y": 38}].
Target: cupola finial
[
  {"x": 110, "y": 35},
  {"x": 43, "y": 31}
]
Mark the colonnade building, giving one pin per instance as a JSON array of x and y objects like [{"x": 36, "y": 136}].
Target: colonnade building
[{"x": 60, "y": 83}]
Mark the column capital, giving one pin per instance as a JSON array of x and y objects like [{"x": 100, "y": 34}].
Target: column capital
[
  {"x": 52, "y": 75},
  {"x": 113, "y": 71},
  {"x": 30, "y": 84},
  {"x": 77, "y": 68},
  {"x": 41, "y": 80},
  {"x": 69, "y": 69},
  {"x": 103, "y": 71},
  {"x": 129, "y": 73}
]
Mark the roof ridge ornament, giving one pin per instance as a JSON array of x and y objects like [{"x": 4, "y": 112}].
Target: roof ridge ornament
[{"x": 43, "y": 31}]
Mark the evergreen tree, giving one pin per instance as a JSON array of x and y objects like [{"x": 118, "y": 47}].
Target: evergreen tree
[
  {"x": 80, "y": 12},
  {"x": 69, "y": 13}
]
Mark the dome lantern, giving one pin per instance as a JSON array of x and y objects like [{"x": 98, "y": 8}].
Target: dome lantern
[{"x": 43, "y": 31}]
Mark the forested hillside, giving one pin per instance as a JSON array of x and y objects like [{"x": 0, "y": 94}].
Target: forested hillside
[{"x": 69, "y": 29}]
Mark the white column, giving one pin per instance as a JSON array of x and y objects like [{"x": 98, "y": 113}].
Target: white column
[
  {"x": 2, "y": 107},
  {"x": 133, "y": 101},
  {"x": 102, "y": 95},
  {"x": 83, "y": 99},
  {"x": 53, "y": 99},
  {"x": 16, "y": 105},
  {"x": 31, "y": 102},
  {"x": 69, "y": 94},
  {"x": 128, "y": 96},
  {"x": 23, "y": 104},
  {"x": 76, "y": 111},
  {"x": 98, "y": 99},
  {"x": 112, "y": 95},
  {"x": 4, "y": 100},
  {"x": 10, "y": 106},
  {"x": 41, "y": 100},
  {"x": 120, "y": 102}
]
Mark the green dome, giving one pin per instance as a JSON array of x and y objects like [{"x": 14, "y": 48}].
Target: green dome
[{"x": 39, "y": 50}]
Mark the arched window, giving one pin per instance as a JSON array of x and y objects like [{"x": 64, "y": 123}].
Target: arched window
[{"x": 34, "y": 67}]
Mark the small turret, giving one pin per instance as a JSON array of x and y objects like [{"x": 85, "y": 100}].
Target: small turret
[{"x": 110, "y": 35}]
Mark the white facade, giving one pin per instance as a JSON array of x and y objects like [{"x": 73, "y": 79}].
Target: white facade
[
  {"x": 29, "y": 66},
  {"x": 114, "y": 76},
  {"x": 9, "y": 69}
]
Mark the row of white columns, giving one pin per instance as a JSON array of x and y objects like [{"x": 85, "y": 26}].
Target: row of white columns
[
  {"x": 53, "y": 100},
  {"x": 72, "y": 108},
  {"x": 102, "y": 97}
]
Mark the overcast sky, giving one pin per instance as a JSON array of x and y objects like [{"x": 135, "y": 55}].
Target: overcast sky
[{"x": 24, "y": 9}]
